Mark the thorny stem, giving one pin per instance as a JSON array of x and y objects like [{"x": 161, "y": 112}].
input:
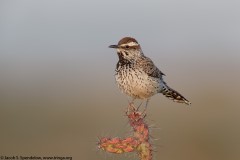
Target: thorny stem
[{"x": 138, "y": 142}]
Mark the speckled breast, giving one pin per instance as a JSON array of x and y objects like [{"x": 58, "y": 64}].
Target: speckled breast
[{"x": 136, "y": 83}]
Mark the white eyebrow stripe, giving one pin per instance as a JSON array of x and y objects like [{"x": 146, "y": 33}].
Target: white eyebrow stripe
[{"x": 132, "y": 44}]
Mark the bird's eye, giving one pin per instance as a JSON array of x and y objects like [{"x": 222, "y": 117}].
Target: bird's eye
[{"x": 127, "y": 46}]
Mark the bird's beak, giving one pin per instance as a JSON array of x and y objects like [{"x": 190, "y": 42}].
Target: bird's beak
[{"x": 113, "y": 46}]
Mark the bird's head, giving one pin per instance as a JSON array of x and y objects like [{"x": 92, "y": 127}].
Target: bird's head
[{"x": 128, "y": 48}]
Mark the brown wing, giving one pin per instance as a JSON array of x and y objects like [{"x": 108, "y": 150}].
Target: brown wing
[{"x": 148, "y": 67}]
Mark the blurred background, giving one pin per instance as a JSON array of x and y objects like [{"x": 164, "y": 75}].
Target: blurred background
[{"x": 57, "y": 86}]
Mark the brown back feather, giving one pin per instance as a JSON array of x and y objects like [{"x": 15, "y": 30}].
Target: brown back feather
[{"x": 148, "y": 67}]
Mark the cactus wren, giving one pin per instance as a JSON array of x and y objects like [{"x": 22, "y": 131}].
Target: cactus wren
[{"x": 137, "y": 76}]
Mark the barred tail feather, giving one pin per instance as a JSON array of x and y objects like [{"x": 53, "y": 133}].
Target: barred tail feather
[{"x": 173, "y": 95}]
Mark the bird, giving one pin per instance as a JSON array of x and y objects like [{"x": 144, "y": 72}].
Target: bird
[{"x": 137, "y": 76}]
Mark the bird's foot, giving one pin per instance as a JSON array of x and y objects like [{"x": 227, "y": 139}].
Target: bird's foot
[{"x": 133, "y": 109}]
